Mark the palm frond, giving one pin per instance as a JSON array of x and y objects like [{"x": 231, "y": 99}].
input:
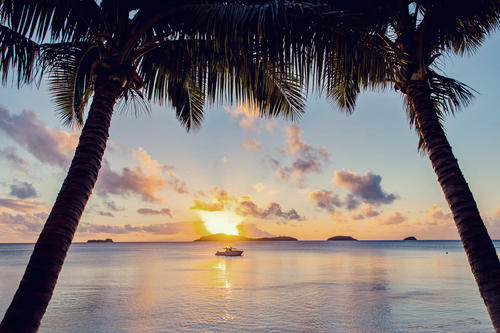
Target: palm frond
[
  {"x": 61, "y": 20},
  {"x": 449, "y": 95},
  {"x": 17, "y": 53},
  {"x": 188, "y": 100},
  {"x": 222, "y": 75},
  {"x": 70, "y": 82},
  {"x": 133, "y": 102},
  {"x": 459, "y": 27}
]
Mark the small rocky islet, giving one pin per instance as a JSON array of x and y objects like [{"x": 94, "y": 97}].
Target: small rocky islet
[{"x": 342, "y": 238}]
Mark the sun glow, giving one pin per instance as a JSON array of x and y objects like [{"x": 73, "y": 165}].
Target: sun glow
[{"x": 220, "y": 221}]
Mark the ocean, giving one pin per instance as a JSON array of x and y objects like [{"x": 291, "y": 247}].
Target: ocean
[{"x": 365, "y": 286}]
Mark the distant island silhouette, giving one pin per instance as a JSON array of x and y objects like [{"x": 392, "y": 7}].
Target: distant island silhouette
[
  {"x": 410, "y": 238},
  {"x": 107, "y": 240},
  {"x": 237, "y": 238},
  {"x": 342, "y": 238}
]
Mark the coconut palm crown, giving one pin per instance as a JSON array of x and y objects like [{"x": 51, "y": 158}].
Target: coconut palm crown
[
  {"x": 110, "y": 50},
  {"x": 355, "y": 45}
]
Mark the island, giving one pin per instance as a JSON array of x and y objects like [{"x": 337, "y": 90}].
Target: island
[
  {"x": 107, "y": 240},
  {"x": 237, "y": 238},
  {"x": 342, "y": 238},
  {"x": 410, "y": 238}
]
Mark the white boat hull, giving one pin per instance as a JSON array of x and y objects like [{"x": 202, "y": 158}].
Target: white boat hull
[{"x": 234, "y": 253}]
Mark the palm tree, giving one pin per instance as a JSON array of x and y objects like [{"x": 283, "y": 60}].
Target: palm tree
[
  {"x": 112, "y": 50},
  {"x": 356, "y": 45}
]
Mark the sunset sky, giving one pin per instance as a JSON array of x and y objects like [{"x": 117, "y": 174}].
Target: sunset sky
[{"x": 323, "y": 175}]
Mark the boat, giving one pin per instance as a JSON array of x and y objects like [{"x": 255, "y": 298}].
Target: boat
[{"x": 229, "y": 251}]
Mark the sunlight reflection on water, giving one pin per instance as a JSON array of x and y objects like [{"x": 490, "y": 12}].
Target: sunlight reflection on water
[{"x": 274, "y": 287}]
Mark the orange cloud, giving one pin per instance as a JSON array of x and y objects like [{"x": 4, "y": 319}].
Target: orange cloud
[
  {"x": 393, "y": 218},
  {"x": 248, "y": 114},
  {"x": 436, "y": 214},
  {"x": 244, "y": 206},
  {"x": 148, "y": 179}
]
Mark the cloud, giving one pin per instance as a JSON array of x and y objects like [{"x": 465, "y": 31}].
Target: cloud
[
  {"x": 108, "y": 214},
  {"x": 351, "y": 202},
  {"x": 20, "y": 205},
  {"x": 436, "y": 213},
  {"x": 357, "y": 216},
  {"x": 367, "y": 187},
  {"x": 129, "y": 180},
  {"x": 251, "y": 145},
  {"x": 10, "y": 154},
  {"x": 23, "y": 222},
  {"x": 394, "y": 218},
  {"x": 154, "y": 167},
  {"x": 273, "y": 210},
  {"x": 148, "y": 179},
  {"x": 492, "y": 223},
  {"x": 253, "y": 231},
  {"x": 157, "y": 229},
  {"x": 220, "y": 199},
  {"x": 47, "y": 145},
  {"x": 366, "y": 212},
  {"x": 435, "y": 217},
  {"x": 258, "y": 187},
  {"x": 307, "y": 158},
  {"x": 325, "y": 200},
  {"x": 247, "y": 113},
  {"x": 249, "y": 120},
  {"x": 23, "y": 190},
  {"x": 370, "y": 211},
  {"x": 148, "y": 211},
  {"x": 111, "y": 205}
]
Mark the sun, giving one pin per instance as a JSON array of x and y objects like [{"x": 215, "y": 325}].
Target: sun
[{"x": 220, "y": 221}]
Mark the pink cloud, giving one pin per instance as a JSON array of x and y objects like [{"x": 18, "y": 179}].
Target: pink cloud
[
  {"x": 10, "y": 154},
  {"x": 189, "y": 228},
  {"x": 366, "y": 211},
  {"x": 308, "y": 159},
  {"x": 47, "y": 145},
  {"x": 366, "y": 187},
  {"x": 326, "y": 200},
  {"x": 20, "y": 205},
  {"x": 251, "y": 145},
  {"x": 23, "y": 222},
  {"x": 149, "y": 211}
]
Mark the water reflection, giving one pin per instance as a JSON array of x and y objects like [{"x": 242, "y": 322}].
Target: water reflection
[{"x": 320, "y": 287}]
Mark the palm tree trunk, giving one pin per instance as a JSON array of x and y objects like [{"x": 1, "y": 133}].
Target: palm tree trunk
[
  {"x": 37, "y": 285},
  {"x": 477, "y": 243}
]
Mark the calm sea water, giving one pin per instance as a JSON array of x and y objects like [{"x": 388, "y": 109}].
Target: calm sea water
[{"x": 367, "y": 286}]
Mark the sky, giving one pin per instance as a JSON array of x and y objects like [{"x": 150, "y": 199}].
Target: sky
[{"x": 325, "y": 174}]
